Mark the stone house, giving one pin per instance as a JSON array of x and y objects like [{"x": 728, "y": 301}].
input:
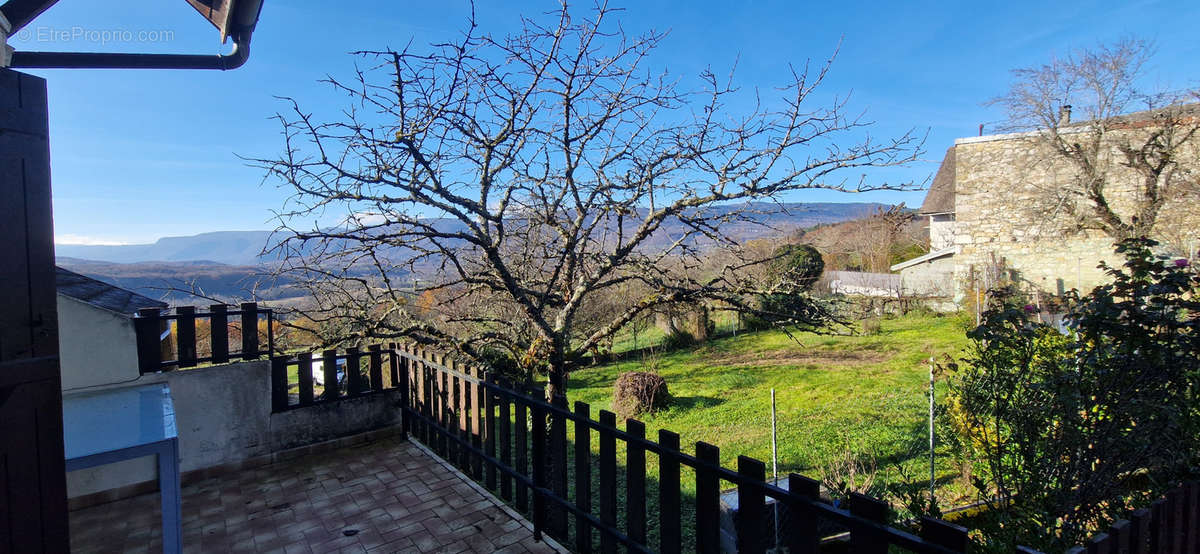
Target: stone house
[{"x": 998, "y": 209}]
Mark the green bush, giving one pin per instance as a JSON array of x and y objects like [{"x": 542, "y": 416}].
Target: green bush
[
  {"x": 1058, "y": 423},
  {"x": 796, "y": 267}
]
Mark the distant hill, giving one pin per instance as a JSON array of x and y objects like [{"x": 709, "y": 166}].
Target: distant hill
[
  {"x": 167, "y": 280},
  {"x": 224, "y": 247},
  {"x": 243, "y": 247},
  {"x": 227, "y": 265}
]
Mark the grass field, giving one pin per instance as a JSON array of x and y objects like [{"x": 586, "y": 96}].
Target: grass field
[{"x": 834, "y": 394}]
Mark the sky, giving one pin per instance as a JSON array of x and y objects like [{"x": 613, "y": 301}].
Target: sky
[{"x": 141, "y": 154}]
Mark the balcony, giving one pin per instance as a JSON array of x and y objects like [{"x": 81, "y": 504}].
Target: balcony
[{"x": 382, "y": 495}]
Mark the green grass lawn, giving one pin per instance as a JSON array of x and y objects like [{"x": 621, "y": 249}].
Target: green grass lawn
[{"x": 862, "y": 394}]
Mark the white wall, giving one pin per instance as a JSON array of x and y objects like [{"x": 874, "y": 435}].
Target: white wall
[
  {"x": 96, "y": 346},
  {"x": 223, "y": 416},
  {"x": 941, "y": 232}
]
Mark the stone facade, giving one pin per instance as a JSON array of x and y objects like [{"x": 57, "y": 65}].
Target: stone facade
[{"x": 1010, "y": 211}]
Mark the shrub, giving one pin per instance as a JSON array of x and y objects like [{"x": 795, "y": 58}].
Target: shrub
[
  {"x": 1060, "y": 422},
  {"x": 678, "y": 338},
  {"x": 796, "y": 267},
  {"x": 637, "y": 392}
]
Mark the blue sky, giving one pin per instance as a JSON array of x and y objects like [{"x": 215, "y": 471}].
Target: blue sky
[{"x": 138, "y": 155}]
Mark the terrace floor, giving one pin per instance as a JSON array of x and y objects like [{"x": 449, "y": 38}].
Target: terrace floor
[{"x": 385, "y": 496}]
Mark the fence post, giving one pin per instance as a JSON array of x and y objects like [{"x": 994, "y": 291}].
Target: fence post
[
  {"x": 249, "y": 330},
  {"x": 539, "y": 470},
  {"x": 558, "y": 469},
  {"x": 304, "y": 376},
  {"x": 1139, "y": 533},
  {"x": 608, "y": 478},
  {"x": 635, "y": 482},
  {"x": 329, "y": 368},
  {"x": 1100, "y": 544},
  {"x": 521, "y": 442},
  {"x": 583, "y": 476},
  {"x": 941, "y": 533},
  {"x": 185, "y": 335},
  {"x": 400, "y": 364},
  {"x": 670, "y": 533},
  {"x": 375, "y": 367},
  {"x": 218, "y": 327},
  {"x": 489, "y": 432},
  {"x": 279, "y": 384},
  {"x": 865, "y": 540},
  {"x": 149, "y": 340},
  {"x": 354, "y": 385},
  {"x": 802, "y": 536},
  {"x": 751, "y": 518},
  {"x": 708, "y": 500},
  {"x": 504, "y": 442}
]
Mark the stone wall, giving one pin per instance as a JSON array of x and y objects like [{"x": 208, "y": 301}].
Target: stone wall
[{"x": 1011, "y": 210}]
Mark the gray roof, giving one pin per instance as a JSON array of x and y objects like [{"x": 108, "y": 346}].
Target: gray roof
[
  {"x": 940, "y": 198},
  {"x": 101, "y": 294}
]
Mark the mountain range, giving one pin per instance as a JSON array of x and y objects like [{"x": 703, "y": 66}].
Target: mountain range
[
  {"x": 228, "y": 265},
  {"x": 245, "y": 247}
]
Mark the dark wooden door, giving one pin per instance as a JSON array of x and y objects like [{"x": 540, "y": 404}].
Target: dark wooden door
[{"x": 33, "y": 497}]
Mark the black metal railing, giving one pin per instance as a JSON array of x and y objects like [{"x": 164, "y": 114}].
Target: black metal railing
[
  {"x": 155, "y": 354},
  {"x": 516, "y": 444},
  {"x": 1169, "y": 525}
]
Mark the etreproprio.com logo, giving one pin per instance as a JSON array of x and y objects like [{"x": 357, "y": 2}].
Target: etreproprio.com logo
[{"x": 97, "y": 36}]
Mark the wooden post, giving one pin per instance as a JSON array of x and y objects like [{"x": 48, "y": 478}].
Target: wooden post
[
  {"x": 941, "y": 533},
  {"x": 635, "y": 482},
  {"x": 329, "y": 368},
  {"x": 557, "y": 477},
  {"x": 185, "y": 326},
  {"x": 375, "y": 365},
  {"x": 539, "y": 470},
  {"x": 708, "y": 500},
  {"x": 149, "y": 341},
  {"x": 867, "y": 541},
  {"x": 751, "y": 518},
  {"x": 504, "y": 435},
  {"x": 802, "y": 537},
  {"x": 583, "y": 476},
  {"x": 608, "y": 478},
  {"x": 279, "y": 392},
  {"x": 250, "y": 330},
  {"x": 304, "y": 377},
  {"x": 218, "y": 325},
  {"x": 669, "y": 528}
]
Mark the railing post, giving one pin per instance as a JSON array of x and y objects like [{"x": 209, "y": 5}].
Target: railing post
[
  {"x": 583, "y": 476},
  {"x": 635, "y": 482},
  {"x": 558, "y": 468},
  {"x": 539, "y": 470},
  {"x": 185, "y": 335},
  {"x": 279, "y": 384},
  {"x": 866, "y": 540},
  {"x": 489, "y": 430},
  {"x": 751, "y": 518},
  {"x": 147, "y": 329},
  {"x": 801, "y": 535},
  {"x": 399, "y": 365},
  {"x": 708, "y": 500},
  {"x": 218, "y": 325},
  {"x": 329, "y": 369},
  {"x": 304, "y": 375},
  {"x": 608, "y": 478},
  {"x": 941, "y": 533},
  {"x": 1139, "y": 531},
  {"x": 249, "y": 330},
  {"x": 375, "y": 365},
  {"x": 670, "y": 536},
  {"x": 353, "y": 372}
]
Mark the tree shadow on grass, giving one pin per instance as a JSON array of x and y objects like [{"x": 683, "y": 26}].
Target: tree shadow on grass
[{"x": 692, "y": 402}]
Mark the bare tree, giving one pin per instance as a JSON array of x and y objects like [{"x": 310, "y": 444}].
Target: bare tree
[
  {"x": 1123, "y": 167},
  {"x": 523, "y": 178}
]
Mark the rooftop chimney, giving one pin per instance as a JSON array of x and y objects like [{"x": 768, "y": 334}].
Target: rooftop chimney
[{"x": 1064, "y": 114}]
